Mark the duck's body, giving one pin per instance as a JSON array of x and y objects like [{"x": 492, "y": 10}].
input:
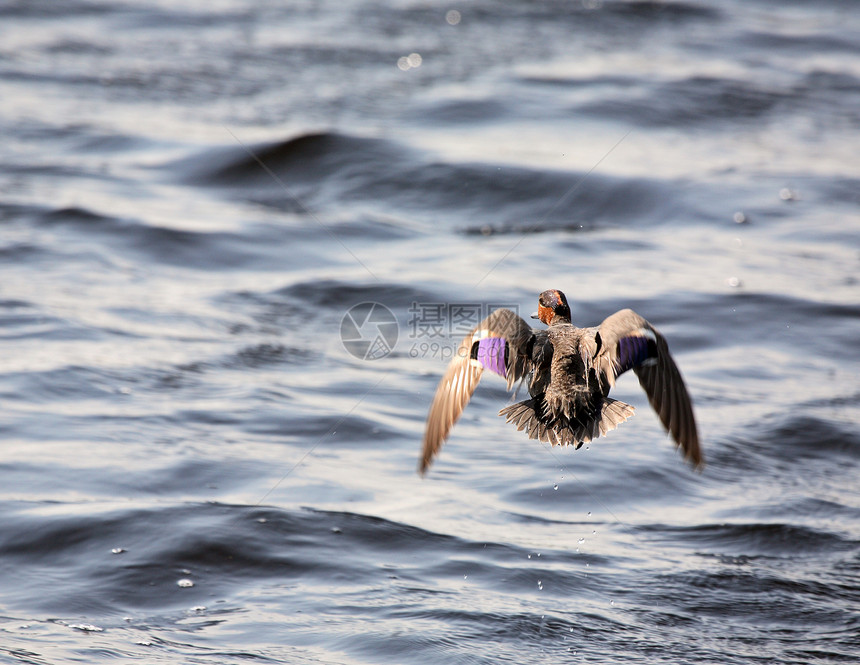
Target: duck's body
[
  {"x": 569, "y": 372},
  {"x": 569, "y": 403}
]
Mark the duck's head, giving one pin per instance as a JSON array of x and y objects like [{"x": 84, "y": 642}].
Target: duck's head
[{"x": 552, "y": 303}]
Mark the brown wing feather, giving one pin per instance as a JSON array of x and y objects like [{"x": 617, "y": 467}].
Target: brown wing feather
[
  {"x": 463, "y": 374},
  {"x": 452, "y": 394},
  {"x": 661, "y": 381}
]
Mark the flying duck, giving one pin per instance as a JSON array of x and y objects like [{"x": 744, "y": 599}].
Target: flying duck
[{"x": 569, "y": 372}]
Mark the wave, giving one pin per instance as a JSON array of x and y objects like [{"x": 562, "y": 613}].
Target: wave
[
  {"x": 753, "y": 539},
  {"x": 330, "y": 170}
]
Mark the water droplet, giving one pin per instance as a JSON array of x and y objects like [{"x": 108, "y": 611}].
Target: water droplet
[
  {"x": 612, "y": 602},
  {"x": 581, "y": 540},
  {"x": 739, "y": 218},
  {"x": 787, "y": 194},
  {"x": 555, "y": 487},
  {"x": 540, "y": 585},
  {"x": 588, "y": 514},
  {"x": 117, "y": 550},
  {"x": 185, "y": 583},
  {"x": 262, "y": 520},
  {"x": 734, "y": 282},
  {"x": 453, "y": 17},
  {"x": 86, "y": 627},
  {"x": 530, "y": 556},
  {"x": 410, "y": 61},
  {"x": 335, "y": 529}
]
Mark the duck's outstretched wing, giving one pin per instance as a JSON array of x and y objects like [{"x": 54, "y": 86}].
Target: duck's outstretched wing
[
  {"x": 500, "y": 343},
  {"x": 627, "y": 341}
]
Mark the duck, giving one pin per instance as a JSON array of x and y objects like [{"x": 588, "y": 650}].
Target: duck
[{"x": 569, "y": 372}]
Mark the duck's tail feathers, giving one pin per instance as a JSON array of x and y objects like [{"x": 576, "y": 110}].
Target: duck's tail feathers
[
  {"x": 532, "y": 417},
  {"x": 613, "y": 412}
]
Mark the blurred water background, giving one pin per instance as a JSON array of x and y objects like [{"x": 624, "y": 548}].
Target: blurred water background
[{"x": 193, "y": 467}]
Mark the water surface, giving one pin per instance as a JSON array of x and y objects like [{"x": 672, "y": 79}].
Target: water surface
[{"x": 193, "y": 468}]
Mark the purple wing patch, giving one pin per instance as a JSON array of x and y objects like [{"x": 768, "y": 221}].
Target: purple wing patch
[
  {"x": 633, "y": 351},
  {"x": 491, "y": 353}
]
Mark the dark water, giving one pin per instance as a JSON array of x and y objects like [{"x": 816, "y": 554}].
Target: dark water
[{"x": 193, "y": 469}]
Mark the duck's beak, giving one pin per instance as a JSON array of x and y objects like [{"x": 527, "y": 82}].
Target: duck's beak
[{"x": 535, "y": 316}]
